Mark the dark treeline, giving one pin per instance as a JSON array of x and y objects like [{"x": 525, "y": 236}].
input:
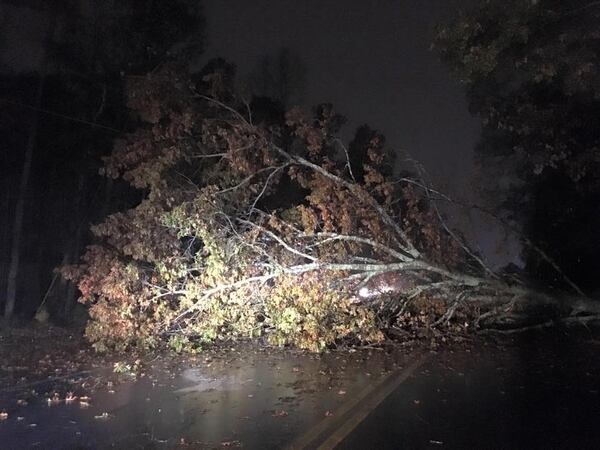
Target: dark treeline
[
  {"x": 530, "y": 71},
  {"x": 64, "y": 193},
  {"x": 70, "y": 112}
]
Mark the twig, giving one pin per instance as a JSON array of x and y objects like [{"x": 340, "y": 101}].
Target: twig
[
  {"x": 356, "y": 190},
  {"x": 376, "y": 245},
  {"x": 547, "y": 324},
  {"x": 341, "y": 144},
  {"x": 284, "y": 244}
]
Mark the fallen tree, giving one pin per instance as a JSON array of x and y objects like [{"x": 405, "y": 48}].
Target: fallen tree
[{"x": 276, "y": 228}]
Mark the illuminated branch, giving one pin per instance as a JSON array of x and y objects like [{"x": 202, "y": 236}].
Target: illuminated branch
[
  {"x": 465, "y": 248},
  {"x": 272, "y": 169},
  {"x": 348, "y": 165},
  {"x": 222, "y": 288},
  {"x": 506, "y": 225},
  {"x": 329, "y": 237},
  {"x": 281, "y": 242},
  {"x": 264, "y": 188},
  {"x": 360, "y": 194}
]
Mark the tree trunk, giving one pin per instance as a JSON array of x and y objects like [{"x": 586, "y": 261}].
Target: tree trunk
[
  {"x": 4, "y": 238},
  {"x": 15, "y": 253},
  {"x": 73, "y": 250}
]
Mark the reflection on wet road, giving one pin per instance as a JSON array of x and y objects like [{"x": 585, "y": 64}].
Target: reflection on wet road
[
  {"x": 537, "y": 391},
  {"x": 242, "y": 397}
]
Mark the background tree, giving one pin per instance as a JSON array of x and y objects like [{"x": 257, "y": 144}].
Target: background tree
[
  {"x": 97, "y": 48},
  {"x": 280, "y": 77},
  {"x": 530, "y": 68},
  {"x": 19, "y": 211}
]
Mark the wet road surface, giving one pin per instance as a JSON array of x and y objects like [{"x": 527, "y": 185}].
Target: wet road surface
[
  {"x": 538, "y": 391},
  {"x": 239, "y": 398}
]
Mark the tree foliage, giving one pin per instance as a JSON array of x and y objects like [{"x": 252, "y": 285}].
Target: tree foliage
[
  {"x": 251, "y": 229},
  {"x": 531, "y": 72}
]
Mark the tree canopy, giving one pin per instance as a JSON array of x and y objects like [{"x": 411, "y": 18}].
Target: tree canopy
[
  {"x": 246, "y": 229},
  {"x": 272, "y": 229},
  {"x": 530, "y": 68}
]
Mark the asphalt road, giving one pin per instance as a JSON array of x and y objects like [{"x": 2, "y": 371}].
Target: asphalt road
[{"x": 538, "y": 390}]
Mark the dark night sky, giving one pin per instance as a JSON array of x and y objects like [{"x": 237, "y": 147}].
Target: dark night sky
[{"x": 370, "y": 58}]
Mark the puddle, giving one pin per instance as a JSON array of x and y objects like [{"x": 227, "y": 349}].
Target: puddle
[{"x": 203, "y": 382}]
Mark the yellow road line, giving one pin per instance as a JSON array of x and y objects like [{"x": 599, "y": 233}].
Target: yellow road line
[{"x": 353, "y": 412}]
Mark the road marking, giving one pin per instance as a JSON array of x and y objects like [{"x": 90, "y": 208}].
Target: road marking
[{"x": 331, "y": 431}]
